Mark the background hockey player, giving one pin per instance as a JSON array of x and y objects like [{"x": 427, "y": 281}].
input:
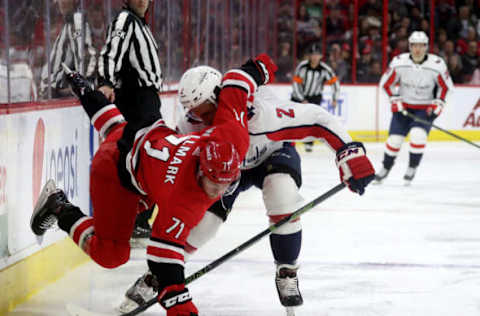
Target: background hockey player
[
  {"x": 309, "y": 80},
  {"x": 165, "y": 168},
  {"x": 270, "y": 165},
  {"x": 423, "y": 86}
]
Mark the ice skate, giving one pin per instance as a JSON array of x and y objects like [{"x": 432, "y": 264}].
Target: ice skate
[
  {"x": 79, "y": 84},
  {"x": 286, "y": 281},
  {"x": 381, "y": 175},
  {"x": 47, "y": 208},
  {"x": 142, "y": 291},
  {"x": 409, "y": 175}
]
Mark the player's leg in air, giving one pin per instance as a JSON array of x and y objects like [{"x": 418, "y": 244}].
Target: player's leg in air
[{"x": 105, "y": 236}]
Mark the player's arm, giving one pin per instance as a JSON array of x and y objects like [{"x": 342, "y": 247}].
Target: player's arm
[
  {"x": 444, "y": 86},
  {"x": 289, "y": 121},
  {"x": 292, "y": 122},
  {"x": 238, "y": 87},
  {"x": 387, "y": 83},
  {"x": 165, "y": 256}
]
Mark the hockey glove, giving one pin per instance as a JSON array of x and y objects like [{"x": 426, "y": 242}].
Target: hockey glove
[
  {"x": 397, "y": 105},
  {"x": 355, "y": 168},
  {"x": 176, "y": 299},
  {"x": 435, "y": 108},
  {"x": 262, "y": 69}
]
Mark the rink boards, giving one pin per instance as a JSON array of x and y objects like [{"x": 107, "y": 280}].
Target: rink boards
[{"x": 57, "y": 142}]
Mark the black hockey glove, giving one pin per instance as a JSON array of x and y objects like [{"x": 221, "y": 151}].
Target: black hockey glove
[{"x": 262, "y": 69}]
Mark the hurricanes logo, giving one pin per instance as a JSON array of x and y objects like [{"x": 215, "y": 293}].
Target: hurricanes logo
[{"x": 473, "y": 119}]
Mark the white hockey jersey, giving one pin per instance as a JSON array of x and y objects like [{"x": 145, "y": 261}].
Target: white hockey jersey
[
  {"x": 273, "y": 121},
  {"x": 418, "y": 84}
]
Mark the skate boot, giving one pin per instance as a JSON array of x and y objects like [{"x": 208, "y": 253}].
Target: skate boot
[
  {"x": 142, "y": 291},
  {"x": 409, "y": 175},
  {"x": 46, "y": 210},
  {"x": 286, "y": 281},
  {"x": 382, "y": 174},
  {"x": 78, "y": 83}
]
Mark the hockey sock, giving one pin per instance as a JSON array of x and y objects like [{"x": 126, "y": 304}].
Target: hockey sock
[
  {"x": 388, "y": 161},
  {"x": 69, "y": 215},
  {"x": 286, "y": 248},
  {"x": 414, "y": 160},
  {"x": 93, "y": 102}
]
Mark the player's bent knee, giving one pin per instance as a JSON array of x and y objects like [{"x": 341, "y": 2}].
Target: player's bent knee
[
  {"x": 111, "y": 253},
  {"x": 281, "y": 198},
  {"x": 418, "y": 140},
  {"x": 394, "y": 142}
]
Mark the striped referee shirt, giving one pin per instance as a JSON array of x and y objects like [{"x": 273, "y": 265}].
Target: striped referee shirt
[
  {"x": 308, "y": 82},
  {"x": 70, "y": 48},
  {"x": 130, "y": 47}
]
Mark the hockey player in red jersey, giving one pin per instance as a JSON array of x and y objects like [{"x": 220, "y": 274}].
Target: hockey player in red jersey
[
  {"x": 182, "y": 174},
  {"x": 271, "y": 166}
]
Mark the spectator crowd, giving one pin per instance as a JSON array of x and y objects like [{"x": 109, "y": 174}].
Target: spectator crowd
[{"x": 285, "y": 31}]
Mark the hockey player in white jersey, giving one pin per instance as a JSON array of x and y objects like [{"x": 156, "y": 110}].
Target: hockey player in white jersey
[
  {"x": 271, "y": 164},
  {"x": 423, "y": 86}
]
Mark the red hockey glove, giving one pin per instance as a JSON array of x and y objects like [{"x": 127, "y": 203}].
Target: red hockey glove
[
  {"x": 176, "y": 299},
  {"x": 267, "y": 67},
  {"x": 436, "y": 107},
  {"x": 397, "y": 105},
  {"x": 355, "y": 168}
]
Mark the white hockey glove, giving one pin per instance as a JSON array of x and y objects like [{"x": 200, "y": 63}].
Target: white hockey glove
[
  {"x": 435, "y": 108},
  {"x": 397, "y": 104}
]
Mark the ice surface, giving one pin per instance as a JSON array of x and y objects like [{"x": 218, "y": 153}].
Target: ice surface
[{"x": 395, "y": 250}]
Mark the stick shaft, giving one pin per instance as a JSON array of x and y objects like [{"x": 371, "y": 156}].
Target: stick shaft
[
  {"x": 209, "y": 267},
  {"x": 416, "y": 118}
]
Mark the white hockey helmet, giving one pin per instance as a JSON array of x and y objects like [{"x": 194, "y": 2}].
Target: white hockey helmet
[
  {"x": 197, "y": 85},
  {"x": 418, "y": 37}
]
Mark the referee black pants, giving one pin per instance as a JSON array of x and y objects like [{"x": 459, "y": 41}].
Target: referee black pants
[{"x": 141, "y": 108}]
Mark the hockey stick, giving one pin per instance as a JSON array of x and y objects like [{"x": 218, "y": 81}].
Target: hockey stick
[
  {"x": 209, "y": 267},
  {"x": 416, "y": 118}
]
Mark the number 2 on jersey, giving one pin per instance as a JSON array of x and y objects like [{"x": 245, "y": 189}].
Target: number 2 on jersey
[{"x": 281, "y": 113}]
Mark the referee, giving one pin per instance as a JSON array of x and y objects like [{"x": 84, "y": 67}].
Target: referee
[
  {"x": 73, "y": 46},
  {"x": 309, "y": 79},
  {"x": 130, "y": 76}
]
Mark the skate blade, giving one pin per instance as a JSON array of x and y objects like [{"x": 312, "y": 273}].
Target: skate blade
[{"x": 47, "y": 189}]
